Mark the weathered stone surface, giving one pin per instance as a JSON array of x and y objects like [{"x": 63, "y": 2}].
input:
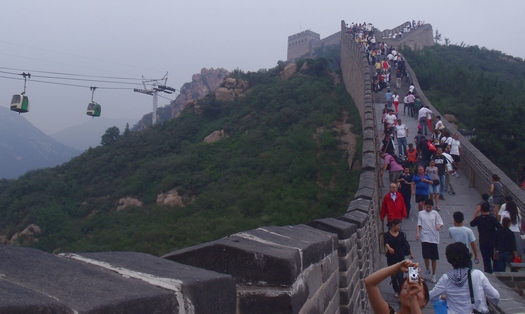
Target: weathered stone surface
[
  {"x": 170, "y": 198},
  {"x": 357, "y": 217},
  {"x": 26, "y": 237},
  {"x": 201, "y": 290},
  {"x": 17, "y": 299},
  {"x": 80, "y": 287},
  {"x": 126, "y": 202},
  {"x": 289, "y": 70},
  {"x": 224, "y": 94},
  {"x": 268, "y": 255},
  {"x": 343, "y": 229},
  {"x": 215, "y": 136}
]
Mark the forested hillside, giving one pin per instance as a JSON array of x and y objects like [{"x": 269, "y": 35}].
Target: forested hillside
[
  {"x": 484, "y": 90},
  {"x": 279, "y": 163}
]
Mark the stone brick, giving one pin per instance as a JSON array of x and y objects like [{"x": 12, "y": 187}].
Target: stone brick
[
  {"x": 258, "y": 303},
  {"x": 357, "y": 217},
  {"x": 343, "y": 229}
]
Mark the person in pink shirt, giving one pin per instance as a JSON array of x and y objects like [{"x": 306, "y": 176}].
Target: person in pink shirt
[{"x": 395, "y": 168}]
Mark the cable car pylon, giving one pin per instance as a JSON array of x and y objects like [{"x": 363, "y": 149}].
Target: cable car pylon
[{"x": 156, "y": 86}]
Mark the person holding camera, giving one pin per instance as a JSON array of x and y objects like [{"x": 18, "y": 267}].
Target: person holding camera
[{"x": 412, "y": 295}]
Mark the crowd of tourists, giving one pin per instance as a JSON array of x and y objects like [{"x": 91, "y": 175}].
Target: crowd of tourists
[
  {"x": 405, "y": 29},
  {"x": 422, "y": 166}
]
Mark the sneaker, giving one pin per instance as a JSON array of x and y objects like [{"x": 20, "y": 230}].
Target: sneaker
[
  {"x": 450, "y": 192},
  {"x": 433, "y": 279},
  {"x": 457, "y": 175},
  {"x": 427, "y": 274},
  {"x": 441, "y": 197},
  {"x": 453, "y": 192},
  {"x": 437, "y": 208},
  {"x": 396, "y": 295}
]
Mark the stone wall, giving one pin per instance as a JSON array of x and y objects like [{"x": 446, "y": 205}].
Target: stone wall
[
  {"x": 301, "y": 44},
  {"x": 316, "y": 268}
]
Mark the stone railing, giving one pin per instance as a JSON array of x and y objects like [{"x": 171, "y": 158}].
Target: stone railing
[{"x": 479, "y": 169}]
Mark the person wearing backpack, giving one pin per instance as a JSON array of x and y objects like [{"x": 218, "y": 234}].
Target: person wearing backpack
[{"x": 394, "y": 170}]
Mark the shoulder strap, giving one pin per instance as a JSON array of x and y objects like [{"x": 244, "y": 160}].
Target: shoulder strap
[{"x": 470, "y": 287}]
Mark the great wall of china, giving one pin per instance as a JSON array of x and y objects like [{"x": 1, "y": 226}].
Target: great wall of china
[{"x": 313, "y": 268}]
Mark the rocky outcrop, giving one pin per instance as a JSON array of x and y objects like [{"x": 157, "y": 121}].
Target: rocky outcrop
[
  {"x": 170, "y": 198},
  {"x": 289, "y": 70},
  {"x": 215, "y": 136},
  {"x": 202, "y": 84},
  {"x": 126, "y": 202},
  {"x": 231, "y": 89},
  {"x": 27, "y": 237}
]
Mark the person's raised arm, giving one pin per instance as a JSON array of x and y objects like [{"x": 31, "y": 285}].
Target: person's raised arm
[{"x": 372, "y": 282}]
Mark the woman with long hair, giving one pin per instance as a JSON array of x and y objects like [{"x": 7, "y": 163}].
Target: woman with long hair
[
  {"x": 454, "y": 285},
  {"x": 496, "y": 190},
  {"x": 511, "y": 211}
]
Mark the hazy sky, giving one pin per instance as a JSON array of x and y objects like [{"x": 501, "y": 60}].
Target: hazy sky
[{"x": 131, "y": 39}]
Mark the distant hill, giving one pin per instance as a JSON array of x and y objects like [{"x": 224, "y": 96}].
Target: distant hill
[
  {"x": 276, "y": 152},
  {"x": 88, "y": 134},
  {"x": 24, "y": 147}
]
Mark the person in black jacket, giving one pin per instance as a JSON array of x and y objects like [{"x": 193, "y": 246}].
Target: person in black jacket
[
  {"x": 487, "y": 226},
  {"x": 505, "y": 246},
  {"x": 397, "y": 248}
]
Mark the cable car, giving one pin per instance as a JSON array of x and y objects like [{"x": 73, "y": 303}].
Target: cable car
[
  {"x": 93, "y": 109},
  {"x": 20, "y": 103}
]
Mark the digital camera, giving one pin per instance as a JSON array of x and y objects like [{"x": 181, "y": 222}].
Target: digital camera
[{"x": 413, "y": 274}]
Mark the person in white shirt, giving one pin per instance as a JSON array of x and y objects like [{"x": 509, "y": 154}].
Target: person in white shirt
[
  {"x": 455, "y": 283},
  {"x": 401, "y": 134},
  {"x": 429, "y": 223},
  {"x": 455, "y": 152},
  {"x": 439, "y": 124},
  {"x": 423, "y": 115}
]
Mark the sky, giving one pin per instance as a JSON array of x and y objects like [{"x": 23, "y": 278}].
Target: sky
[{"x": 125, "y": 40}]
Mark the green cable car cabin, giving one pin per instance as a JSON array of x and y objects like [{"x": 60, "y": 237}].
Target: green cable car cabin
[
  {"x": 20, "y": 103},
  {"x": 93, "y": 109}
]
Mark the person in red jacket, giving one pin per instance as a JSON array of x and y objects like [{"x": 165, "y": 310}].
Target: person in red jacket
[{"x": 393, "y": 206}]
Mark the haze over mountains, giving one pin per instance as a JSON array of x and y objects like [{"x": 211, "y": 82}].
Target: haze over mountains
[
  {"x": 88, "y": 134},
  {"x": 24, "y": 147}
]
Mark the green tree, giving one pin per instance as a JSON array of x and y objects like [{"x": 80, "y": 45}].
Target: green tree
[
  {"x": 437, "y": 37},
  {"x": 110, "y": 136}
]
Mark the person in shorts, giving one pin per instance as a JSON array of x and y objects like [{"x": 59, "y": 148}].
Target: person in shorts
[
  {"x": 420, "y": 189},
  {"x": 429, "y": 223}
]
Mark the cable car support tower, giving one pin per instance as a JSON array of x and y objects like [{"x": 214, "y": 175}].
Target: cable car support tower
[{"x": 156, "y": 85}]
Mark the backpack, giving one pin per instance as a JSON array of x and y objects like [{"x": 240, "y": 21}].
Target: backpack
[
  {"x": 398, "y": 159},
  {"x": 431, "y": 147}
]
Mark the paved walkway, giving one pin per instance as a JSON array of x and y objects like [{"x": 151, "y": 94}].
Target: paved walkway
[{"x": 465, "y": 200}]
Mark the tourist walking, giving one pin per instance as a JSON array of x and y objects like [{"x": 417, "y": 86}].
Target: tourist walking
[
  {"x": 429, "y": 223},
  {"x": 393, "y": 205},
  {"x": 487, "y": 226},
  {"x": 404, "y": 182},
  {"x": 504, "y": 247},
  {"x": 420, "y": 183},
  {"x": 496, "y": 190},
  {"x": 455, "y": 284},
  {"x": 460, "y": 233}
]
